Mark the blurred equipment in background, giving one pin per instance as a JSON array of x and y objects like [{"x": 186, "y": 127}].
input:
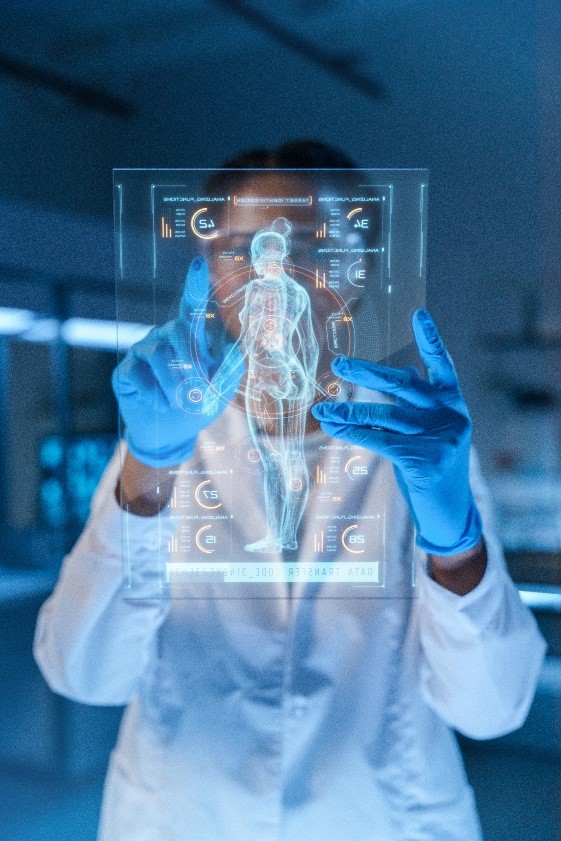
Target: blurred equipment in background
[{"x": 84, "y": 458}]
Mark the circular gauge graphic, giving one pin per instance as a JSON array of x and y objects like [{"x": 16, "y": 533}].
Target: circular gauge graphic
[
  {"x": 206, "y": 496},
  {"x": 203, "y": 225},
  {"x": 272, "y": 342},
  {"x": 189, "y": 394},
  {"x": 353, "y": 540},
  {"x": 356, "y": 274},
  {"x": 274, "y": 270},
  {"x": 248, "y": 457},
  {"x": 205, "y": 540},
  {"x": 334, "y": 389},
  {"x": 356, "y": 468},
  {"x": 331, "y": 387}
]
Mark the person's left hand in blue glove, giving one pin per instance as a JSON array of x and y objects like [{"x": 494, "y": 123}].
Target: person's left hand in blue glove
[{"x": 425, "y": 433}]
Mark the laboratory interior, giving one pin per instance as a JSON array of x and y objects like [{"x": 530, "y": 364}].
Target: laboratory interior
[{"x": 467, "y": 89}]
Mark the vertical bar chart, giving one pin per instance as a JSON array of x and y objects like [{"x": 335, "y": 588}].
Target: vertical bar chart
[
  {"x": 166, "y": 230},
  {"x": 319, "y": 542}
]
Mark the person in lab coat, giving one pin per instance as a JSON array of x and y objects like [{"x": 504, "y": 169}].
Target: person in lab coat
[{"x": 297, "y": 717}]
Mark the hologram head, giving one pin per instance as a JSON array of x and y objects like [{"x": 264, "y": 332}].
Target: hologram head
[{"x": 270, "y": 246}]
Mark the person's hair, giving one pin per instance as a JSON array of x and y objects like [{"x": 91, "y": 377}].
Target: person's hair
[{"x": 296, "y": 154}]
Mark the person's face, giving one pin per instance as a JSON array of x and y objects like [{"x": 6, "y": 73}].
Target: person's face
[{"x": 232, "y": 264}]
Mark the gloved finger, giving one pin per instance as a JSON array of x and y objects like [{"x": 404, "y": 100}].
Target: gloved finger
[
  {"x": 414, "y": 371},
  {"x": 196, "y": 289},
  {"x": 192, "y": 308},
  {"x": 398, "y": 382},
  {"x": 371, "y": 415},
  {"x": 162, "y": 355},
  {"x": 187, "y": 348},
  {"x": 433, "y": 351},
  {"x": 386, "y": 444},
  {"x": 134, "y": 381}
]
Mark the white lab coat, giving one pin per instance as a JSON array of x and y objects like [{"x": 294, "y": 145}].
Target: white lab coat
[{"x": 268, "y": 720}]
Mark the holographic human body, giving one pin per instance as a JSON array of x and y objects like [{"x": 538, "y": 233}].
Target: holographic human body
[{"x": 281, "y": 351}]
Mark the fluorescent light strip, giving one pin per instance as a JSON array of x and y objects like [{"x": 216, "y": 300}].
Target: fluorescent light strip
[
  {"x": 78, "y": 332},
  {"x": 42, "y": 330},
  {"x": 14, "y": 321},
  {"x": 105, "y": 335},
  {"x": 541, "y": 599}
]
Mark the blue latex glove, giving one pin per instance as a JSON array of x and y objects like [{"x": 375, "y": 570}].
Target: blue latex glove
[
  {"x": 160, "y": 384},
  {"x": 425, "y": 432}
]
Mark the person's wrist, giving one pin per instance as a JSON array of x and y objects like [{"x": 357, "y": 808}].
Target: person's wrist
[
  {"x": 161, "y": 457},
  {"x": 462, "y": 572},
  {"x": 143, "y": 490}
]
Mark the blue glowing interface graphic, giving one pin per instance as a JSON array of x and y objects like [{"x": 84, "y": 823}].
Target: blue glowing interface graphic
[{"x": 304, "y": 266}]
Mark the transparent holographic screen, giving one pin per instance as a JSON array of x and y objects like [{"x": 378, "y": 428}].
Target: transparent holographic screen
[{"x": 264, "y": 508}]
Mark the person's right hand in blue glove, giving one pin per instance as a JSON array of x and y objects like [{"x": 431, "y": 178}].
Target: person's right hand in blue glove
[
  {"x": 161, "y": 425},
  {"x": 425, "y": 432}
]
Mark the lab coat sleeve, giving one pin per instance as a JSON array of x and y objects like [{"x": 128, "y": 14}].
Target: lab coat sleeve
[
  {"x": 481, "y": 653},
  {"x": 91, "y": 643}
]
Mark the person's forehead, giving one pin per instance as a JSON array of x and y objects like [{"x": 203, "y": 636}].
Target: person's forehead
[{"x": 275, "y": 182}]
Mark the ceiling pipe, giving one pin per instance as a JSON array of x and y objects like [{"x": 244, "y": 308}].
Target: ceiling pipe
[{"x": 77, "y": 92}]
